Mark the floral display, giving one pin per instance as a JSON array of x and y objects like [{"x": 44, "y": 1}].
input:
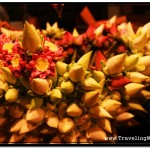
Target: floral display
[{"x": 61, "y": 87}]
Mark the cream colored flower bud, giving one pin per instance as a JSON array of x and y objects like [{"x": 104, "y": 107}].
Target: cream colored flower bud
[
  {"x": 105, "y": 124},
  {"x": 31, "y": 40},
  {"x": 76, "y": 73},
  {"x": 52, "y": 119},
  {"x": 67, "y": 87},
  {"x": 99, "y": 30},
  {"x": 90, "y": 84},
  {"x": 31, "y": 139},
  {"x": 98, "y": 75},
  {"x": 131, "y": 89},
  {"x": 144, "y": 61},
  {"x": 17, "y": 125},
  {"x": 74, "y": 110},
  {"x": 65, "y": 125},
  {"x": 40, "y": 86},
  {"x": 115, "y": 64},
  {"x": 111, "y": 106},
  {"x": 8, "y": 76},
  {"x": 145, "y": 93},
  {"x": 136, "y": 106},
  {"x": 96, "y": 134},
  {"x": 90, "y": 98},
  {"x": 11, "y": 95},
  {"x": 16, "y": 111},
  {"x": 124, "y": 116},
  {"x": 98, "y": 112},
  {"x": 55, "y": 96},
  {"x": 131, "y": 61},
  {"x": 85, "y": 60},
  {"x": 35, "y": 115},
  {"x": 16, "y": 137},
  {"x": 137, "y": 77},
  {"x": 61, "y": 68}
]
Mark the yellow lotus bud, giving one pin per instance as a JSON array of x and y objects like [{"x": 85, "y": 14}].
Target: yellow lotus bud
[
  {"x": 82, "y": 119},
  {"x": 61, "y": 68},
  {"x": 40, "y": 86},
  {"x": 115, "y": 64},
  {"x": 11, "y": 95},
  {"x": 31, "y": 40},
  {"x": 35, "y": 115},
  {"x": 90, "y": 84},
  {"x": 131, "y": 61},
  {"x": 99, "y": 30},
  {"x": 52, "y": 119},
  {"x": 98, "y": 112},
  {"x": 111, "y": 106},
  {"x": 136, "y": 106},
  {"x": 70, "y": 137},
  {"x": 16, "y": 137},
  {"x": 16, "y": 111},
  {"x": 65, "y": 125},
  {"x": 85, "y": 60},
  {"x": 27, "y": 127},
  {"x": 74, "y": 110},
  {"x": 116, "y": 96},
  {"x": 96, "y": 134},
  {"x": 131, "y": 89},
  {"x": 124, "y": 117},
  {"x": 31, "y": 139},
  {"x": 8, "y": 76},
  {"x": 90, "y": 98},
  {"x": 17, "y": 125},
  {"x": 98, "y": 75},
  {"x": 76, "y": 73},
  {"x": 144, "y": 61},
  {"x": 136, "y": 77},
  {"x": 145, "y": 93},
  {"x": 113, "y": 19},
  {"x": 36, "y": 102},
  {"x": 67, "y": 87},
  {"x": 55, "y": 96},
  {"x": 105, "y": 124}
]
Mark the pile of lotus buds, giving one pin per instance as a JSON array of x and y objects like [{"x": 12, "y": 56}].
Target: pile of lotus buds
[{"x": 82, "y": 102}]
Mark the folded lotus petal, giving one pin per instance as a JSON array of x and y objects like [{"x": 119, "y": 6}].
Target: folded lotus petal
[
  {"x": 67, "y": 87},
  {"x": 61, "y": 68},
  {"x": 124, "y": 116}
]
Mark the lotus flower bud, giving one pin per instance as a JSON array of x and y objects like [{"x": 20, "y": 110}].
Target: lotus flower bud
[
  {"x": 16, "y": 137},
  {"x": 131, "y": 61},
  {"x": 31, "y": 139},
  {"x": 96, "y": 134},
  {"x": 82, "y": 119},
  {"x": 70, "y": 137},
  {"x": 98, "y": 112},
  {"x": 90, "y": 84},
  {"x": 36, "y": 102},
  {"x": 55, "y": 96},
  {"x": 135, "y": 106},
  {"x": 145, "y": 93},
  {"x": 16, "y": 111},
  {"x": 76, "y": 73},
  {"x": 136, "y": 77},
  {"x": 40, "y": 86},
  {"x": 144, "y": 61},
  {"x": 98, "y": 75},
  {"x": 8, "y": 76},
  {"x": 52, "y": 119},
  {"x": 17, "y": 125},
  {"x": 31, "y": 40},
  {"x": 74, "y": 110},
  {"x": 67, "y": 87},
  {"x": 62, "y": 109},
  {"x": 65, "y": 125},
  {"x": 3, "y": 87},
  {"x": 99, "y": 30},
  {"x": 116, "y": 96},
  {"x": 105, "y": 124},
  {"x": 35, "y": 115},
  {"x": 11, "y": 95},
  {"x": 115, "y": 64},
  {"x": 124, "y": 117},
  {"x": 61, "y": 68},
  {"x": 90, "y": 98},
  {"x": 85, "y": 60},
  {"x": 132, "y": 89},
  {"x": 111, "y": 106}
]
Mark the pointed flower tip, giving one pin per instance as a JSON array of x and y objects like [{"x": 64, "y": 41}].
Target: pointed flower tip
[{"x": 75, "y": 32}]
